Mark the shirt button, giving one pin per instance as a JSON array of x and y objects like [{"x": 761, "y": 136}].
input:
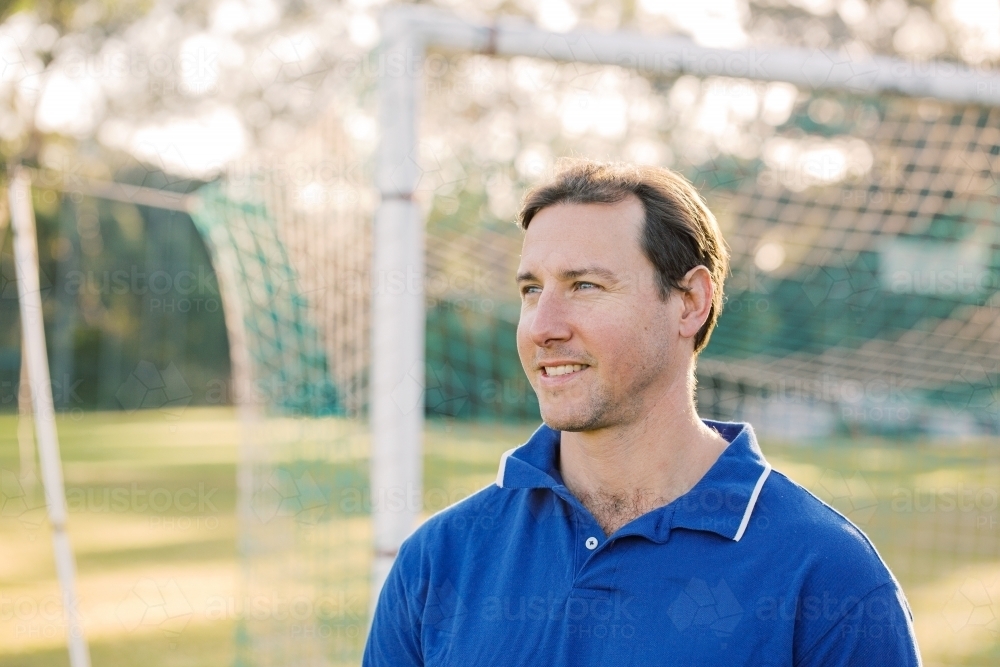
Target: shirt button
[{"x": 591, "y": 543}]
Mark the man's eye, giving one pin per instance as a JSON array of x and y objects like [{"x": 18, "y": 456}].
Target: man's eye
[
  {"x": 530, "y": 289},
  {"x": 585, "y": 284}
]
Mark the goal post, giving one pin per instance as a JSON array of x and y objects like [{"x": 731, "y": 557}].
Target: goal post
[
  {"x": 397, "y": 312},
  {"x": 34, "y": 357}
]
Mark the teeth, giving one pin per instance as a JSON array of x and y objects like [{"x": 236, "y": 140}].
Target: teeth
[{"x": 562, "y": 370}]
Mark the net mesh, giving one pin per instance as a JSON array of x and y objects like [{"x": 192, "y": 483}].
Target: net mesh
[
  {"x": 883, "y": 306},
  {"x": 289, "y": 262}
]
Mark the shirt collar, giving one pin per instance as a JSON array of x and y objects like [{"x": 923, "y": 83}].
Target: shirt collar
[{"x": 721, "y": 502}]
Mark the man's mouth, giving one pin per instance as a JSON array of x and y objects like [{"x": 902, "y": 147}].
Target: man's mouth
[{"x": 553, "y": 371}]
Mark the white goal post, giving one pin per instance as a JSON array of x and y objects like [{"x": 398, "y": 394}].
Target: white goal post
[
  {"x": 398, "y": 316},
  {"x": 34, "y": 358}
]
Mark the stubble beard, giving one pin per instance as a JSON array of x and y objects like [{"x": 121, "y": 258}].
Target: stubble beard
[
  {"x": 591, "y": 417},
  {"x": 600, "y": 409}
]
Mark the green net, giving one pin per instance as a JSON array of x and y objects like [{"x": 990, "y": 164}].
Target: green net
[
  {"x": 286, "y": 353},
  {"x": 302, "y": 479}
]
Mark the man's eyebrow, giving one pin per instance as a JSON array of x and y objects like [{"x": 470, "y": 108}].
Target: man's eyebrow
[
  {"x": 571, "y": 274},
  {"x": 526, "y": 276}
]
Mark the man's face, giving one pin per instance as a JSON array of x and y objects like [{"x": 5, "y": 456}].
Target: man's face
[{"x": 598, "y": 344}]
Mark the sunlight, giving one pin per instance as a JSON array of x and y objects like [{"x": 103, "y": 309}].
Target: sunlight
[{"x": 192, "y": 146}]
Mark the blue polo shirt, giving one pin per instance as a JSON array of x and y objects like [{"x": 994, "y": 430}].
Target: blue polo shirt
[{"x": 747, "y": 568}]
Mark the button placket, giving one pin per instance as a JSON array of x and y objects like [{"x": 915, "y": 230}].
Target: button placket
[{"x": 585, "y": 526}]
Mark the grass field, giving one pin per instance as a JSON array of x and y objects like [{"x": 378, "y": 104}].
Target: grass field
[{"x": 153, "y": 523}]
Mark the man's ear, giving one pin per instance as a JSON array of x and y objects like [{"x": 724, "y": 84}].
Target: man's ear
[{"x": 696, "y": 300}]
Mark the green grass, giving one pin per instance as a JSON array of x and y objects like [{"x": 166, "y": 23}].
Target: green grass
[
  {"x": 112, "y": 464},
  {"x": 930, "y": 508}
]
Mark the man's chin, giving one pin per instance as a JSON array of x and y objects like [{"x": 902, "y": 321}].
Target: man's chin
[{"x": 571, "y": 423}]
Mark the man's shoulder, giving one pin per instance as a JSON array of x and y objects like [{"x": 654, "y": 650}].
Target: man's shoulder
[
  {"x": 831, "y": 576},
  {"x": 477, "y": 508},
  {"x": 462, "y": 522},
  {"x": 795, "y": 507},
  {"x": 795, "y": 522}
]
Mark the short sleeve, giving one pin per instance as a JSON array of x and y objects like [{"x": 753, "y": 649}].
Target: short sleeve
[
  {"x": 394, "y": 638},
  {"x": 878, "y": 630}
]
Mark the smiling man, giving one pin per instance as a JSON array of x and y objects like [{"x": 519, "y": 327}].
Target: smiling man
[{"x": 627, "y": 531}]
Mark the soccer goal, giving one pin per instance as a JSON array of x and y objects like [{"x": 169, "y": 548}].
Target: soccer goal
[{"x": 369, "y": 299}]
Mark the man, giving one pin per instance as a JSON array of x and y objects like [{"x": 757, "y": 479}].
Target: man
[{"x": 627, "y": 531}]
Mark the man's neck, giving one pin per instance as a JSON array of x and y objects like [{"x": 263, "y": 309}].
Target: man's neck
[{"x": 622, "y": 472}]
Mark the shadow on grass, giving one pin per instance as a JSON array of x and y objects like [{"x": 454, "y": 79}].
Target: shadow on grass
[{"x": 210, "y": 645}]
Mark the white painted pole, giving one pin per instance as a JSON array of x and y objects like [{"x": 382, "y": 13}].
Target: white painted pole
[
  {"x": 25, "y": 430},
  {"x": 34, "y": 355},
  {"x": 398, "y": 316}
]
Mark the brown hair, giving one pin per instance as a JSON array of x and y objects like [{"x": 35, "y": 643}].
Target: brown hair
[{"x": 679, "y": 232}]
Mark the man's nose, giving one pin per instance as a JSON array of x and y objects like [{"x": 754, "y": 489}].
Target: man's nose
[{"x": 550, "y": 319}]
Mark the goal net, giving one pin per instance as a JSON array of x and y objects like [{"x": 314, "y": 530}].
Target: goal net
[{"x": 291, "y": 263}]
